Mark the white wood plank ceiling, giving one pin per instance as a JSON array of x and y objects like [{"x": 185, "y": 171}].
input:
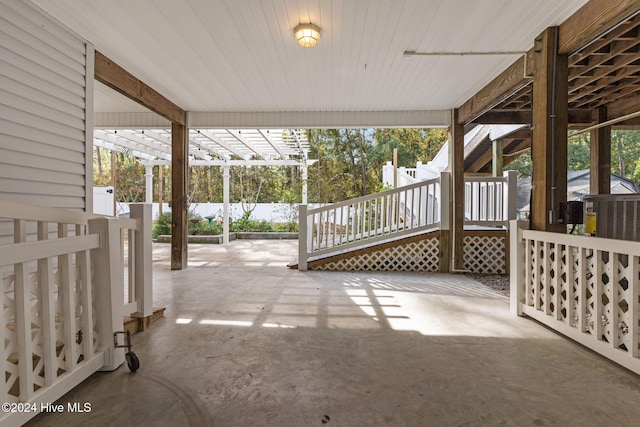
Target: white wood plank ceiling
[{"x": 240, "y": 55}]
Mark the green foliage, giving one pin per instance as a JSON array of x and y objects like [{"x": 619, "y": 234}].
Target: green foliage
[
  {"x": 350, "y": 160},
  {"x": 578, "y": 152},
  {"x": 205, "y": 229},
  {"x": 523, "y": 164},
  {"x": 625, "y": 155},
  {"x": 162, "y": 226}
]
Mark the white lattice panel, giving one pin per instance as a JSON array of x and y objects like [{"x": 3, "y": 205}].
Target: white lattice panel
[
  {"x": 485, "y": 254},
  {"x": 421, "y": 255},
  {"x": 591, "y": 292}
]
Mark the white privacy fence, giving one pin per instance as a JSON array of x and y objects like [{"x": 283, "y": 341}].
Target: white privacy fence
[
  {"x": 63, "y": 292},
  {"x": 370, "y": 219},
  {"x": 586, "y": 288}
]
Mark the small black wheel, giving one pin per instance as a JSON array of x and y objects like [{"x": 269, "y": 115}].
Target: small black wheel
[{"x": 132, "y": 361}]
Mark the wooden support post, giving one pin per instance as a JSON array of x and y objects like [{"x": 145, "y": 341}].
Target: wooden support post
[
  {"x": 496, "y": 157},
  {"x": 179, "y": 180},
  {"x": 600, "y": 165},
  {"x": 549, "y": 136},
  {"x": 456, "y": 165}
]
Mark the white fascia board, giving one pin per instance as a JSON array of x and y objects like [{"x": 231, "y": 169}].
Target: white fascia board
[{"x": 321, "y": 119}]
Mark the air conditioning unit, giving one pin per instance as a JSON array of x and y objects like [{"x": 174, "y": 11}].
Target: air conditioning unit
[{"x": 617, "y": 215}]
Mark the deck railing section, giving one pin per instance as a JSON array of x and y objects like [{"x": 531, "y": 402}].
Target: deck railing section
[
  {"x": 369, "y": 219},
  {"x": 490, "y": 201},
  {"x": 62, "y": 287},
  {"x": 586, "y": 288}
]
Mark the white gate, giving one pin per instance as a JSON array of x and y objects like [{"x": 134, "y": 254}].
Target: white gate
[{"x": 63, "y": 299}]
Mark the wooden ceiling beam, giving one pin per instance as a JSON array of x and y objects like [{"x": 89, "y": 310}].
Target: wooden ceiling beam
[
  {"x": 516, "y": 151},
  {"x": 618, "y": 54},
  {"x": 508, "y": 82},
  {"x": 122, "y": 81},
  {"x": 603, "y": 42},
  {"x": 523, "y": 117},
  {"x": 591, "y": 21}
]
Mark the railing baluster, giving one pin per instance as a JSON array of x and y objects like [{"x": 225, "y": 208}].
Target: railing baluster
[
  {"x": 557, "y": 281},
  {"x": 571, "y": 277},
  {"x": 22, "y": 318},
  {"x": 597, "y": 288},
  {"x": 634, "y": 294},
  {"x": 612, "y": 295},
  {"x": 537, "y": 279},
  {"x": 48, "y": 315},
  {"x": 68, "y": 304},
  {"x": 84, "y": 266},
  {"x": 546, "y": 277},
  {"x": 582, "y": 289}
]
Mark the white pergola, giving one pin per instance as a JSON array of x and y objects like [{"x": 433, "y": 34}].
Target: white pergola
[{"x": 213, "y": 147}]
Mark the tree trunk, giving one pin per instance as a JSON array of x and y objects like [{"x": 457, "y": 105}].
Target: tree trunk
[{"x": 362, "y": 163}]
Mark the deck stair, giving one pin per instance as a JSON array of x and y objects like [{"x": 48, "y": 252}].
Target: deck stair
[{"x": 400, "y": 229}]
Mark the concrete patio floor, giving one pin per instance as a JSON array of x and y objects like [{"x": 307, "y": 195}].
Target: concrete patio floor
[{"x": 249, "y": 342}]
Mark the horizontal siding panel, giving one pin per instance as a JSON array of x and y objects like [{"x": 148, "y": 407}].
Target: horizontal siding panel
[
  {"x": 41, "y": 162},
  {"x": 33, "y": 67},
  {"x": 48, "y": 200},
  {"x": 41, "y": 26},
  {"x": 29, "y": 120},
  {"x": 42, "y": 109},
  {"x": 60, "y": 115},
  {"x": 8, "y": 171},
  {"x": 8, "y": 186},
  {"x": 17, "y": 132},
  {"x": 18, "y": 40},
  {"x": 39, "y": 149},
  {"x": 44, "y": 98},
  {"x": 16, "y": 74}
]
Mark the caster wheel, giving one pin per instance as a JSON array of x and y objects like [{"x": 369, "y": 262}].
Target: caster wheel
[{"x": 132, "y": 361}]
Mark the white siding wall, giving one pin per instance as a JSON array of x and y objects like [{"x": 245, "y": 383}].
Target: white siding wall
[{"x": 46, "y": 93}]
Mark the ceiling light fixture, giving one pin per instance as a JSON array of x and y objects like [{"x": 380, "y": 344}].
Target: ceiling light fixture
[{"x": 307, "y": 35}]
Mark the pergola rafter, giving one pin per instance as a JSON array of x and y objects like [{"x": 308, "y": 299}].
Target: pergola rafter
[
  {"x": 265, "y": 134},
  {"x": 213, "y": 147},
  {"x": 120, "y": 141},
  {"x": 237, "y": 134},
  {"x": 272, "y": 147}
]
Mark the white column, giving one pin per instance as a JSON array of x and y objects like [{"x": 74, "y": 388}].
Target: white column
[
  {"x": 108, "y": 287},
  {"x": 305, "y": 177},
  {"x": 148, "y": 192},
  {"x": 143, "y": 271},
  {"x": 303, "y": 239},
  {"x": 225, "y": 208},
  {"x": 517, "y": 254}
]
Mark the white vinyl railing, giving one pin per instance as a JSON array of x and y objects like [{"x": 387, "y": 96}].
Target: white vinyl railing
[
  {"x": 62, "y": 278},
  {"x": 490, "y": 201},
  {"x": 586, "y": 288},
  {"x": 369, "y": 219}
]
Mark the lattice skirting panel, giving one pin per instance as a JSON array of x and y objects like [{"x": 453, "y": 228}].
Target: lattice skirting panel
[
  {"x": 485, "y": 254},
  {"x": 421, "y": 255}
]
